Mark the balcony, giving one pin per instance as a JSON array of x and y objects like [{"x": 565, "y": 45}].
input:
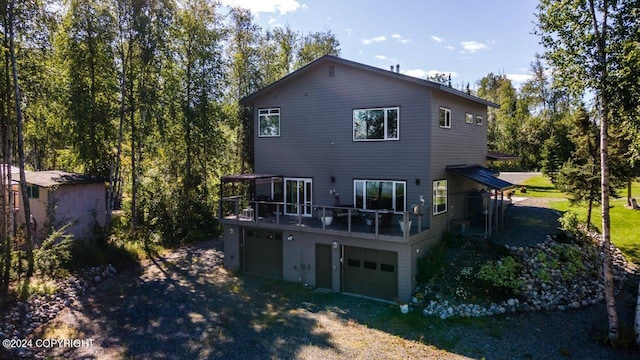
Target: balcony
[{"x": 334, "y": 220}]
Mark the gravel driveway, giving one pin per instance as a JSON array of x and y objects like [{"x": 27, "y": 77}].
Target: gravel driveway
[
  {"x": 186, "y": 306},
  {"x": 517, "y": 178}
]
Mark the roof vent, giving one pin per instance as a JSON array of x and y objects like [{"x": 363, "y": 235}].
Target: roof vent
[{"x": 398, "y": 68}]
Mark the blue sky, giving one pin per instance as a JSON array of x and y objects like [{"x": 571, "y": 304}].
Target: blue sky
[{"x": 466, "y": 38}]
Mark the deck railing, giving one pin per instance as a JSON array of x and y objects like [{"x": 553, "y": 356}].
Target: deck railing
[{"x": 378, "y": 224}]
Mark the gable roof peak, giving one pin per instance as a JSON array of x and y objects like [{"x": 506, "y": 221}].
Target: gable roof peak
[{"x": 395, "y": 74}]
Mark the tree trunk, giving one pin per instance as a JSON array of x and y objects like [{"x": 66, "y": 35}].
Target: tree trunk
[
  {"x": 23, "y": 180},
  {"x": 6, "y": 181},
  {"x": 134, "y": 174},
  {"x": 612, "y": 312},
  {"x": 606, "y": 232}
]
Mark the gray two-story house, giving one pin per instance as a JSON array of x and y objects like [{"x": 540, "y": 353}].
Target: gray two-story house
[{"x": 358, "y": 171}]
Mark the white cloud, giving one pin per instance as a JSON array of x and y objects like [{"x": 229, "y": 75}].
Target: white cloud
[
  {"x": 422, "y": 74},
  {"x": 449, "y": 47},
  {"x": 401, "y": 39},
  {"x": 473, "y": 46},
  {"x": 437, "y": 39},
  {"x": 419, "y": 73},
  {"x": 381, "y": 57},
  {"x": 374, "y": 40},
  {"x": 267, "y": 6},
  {"x": 519, "y": 78}
]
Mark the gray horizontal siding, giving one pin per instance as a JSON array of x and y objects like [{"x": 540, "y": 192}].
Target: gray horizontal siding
[{"x": 317, "y": 132}]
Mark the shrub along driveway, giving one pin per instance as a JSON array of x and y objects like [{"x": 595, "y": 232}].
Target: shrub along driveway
[{"x": 186, "y": 306}]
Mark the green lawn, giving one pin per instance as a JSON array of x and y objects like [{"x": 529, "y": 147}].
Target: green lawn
[
  {"x": 624, "y": 221},
  {"x": 540, "y": 186}
]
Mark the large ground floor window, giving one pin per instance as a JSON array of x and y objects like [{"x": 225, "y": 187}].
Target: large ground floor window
[{"x": 379, "y": 195}]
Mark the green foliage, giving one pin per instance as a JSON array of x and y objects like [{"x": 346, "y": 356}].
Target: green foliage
[
  {"x": 571, "y": 258},
  {"x": 36, "y": 286},
  {"x": 436, "y": 259},
  {"x": 315, "y": 45},
  {"x": 624, "y": 223},
  {"x": 85, "y": 255},
  {"x": 504, "y": 273},
  {"x": 53, "y": 253},
  {"x": 569, "y": 222}
]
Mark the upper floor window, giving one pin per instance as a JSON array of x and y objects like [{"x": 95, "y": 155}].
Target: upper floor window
[
  {"x": 376, "y": 124},
  {"x": 269, "y": 122},
  {"x": 478, "y": 119},
  {"x": 379, "y": 195},
  {"x": 468, "y": 118},
  {"x": 439, "y": 197},
  {"x": 445, "y": 117}
]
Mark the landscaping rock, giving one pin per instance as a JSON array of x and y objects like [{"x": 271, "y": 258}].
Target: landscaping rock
[
  {"x": 24, "y": 317},
  {"x": 547, "y": 285}
]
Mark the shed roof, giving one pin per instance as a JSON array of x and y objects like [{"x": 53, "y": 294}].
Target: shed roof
[
  {"x": 57, "y": 177},
  {"x": 246, "y": 101},
  {"x": 481, "y": 175}
]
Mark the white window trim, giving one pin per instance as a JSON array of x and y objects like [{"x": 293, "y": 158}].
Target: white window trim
[
  {"x": 447, "y": 124},
  {"x": 468, "y": 118},
  {"x": 386, "y": 125},
  {"x": 266, "y": 112},
  {"x": 435, "y": 197},
  {"x": 479, "y": 120},
  {"x": 393, "y": 193}
]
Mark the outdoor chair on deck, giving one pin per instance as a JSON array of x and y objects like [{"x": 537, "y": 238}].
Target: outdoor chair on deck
[{"x": 384, "y": 222}]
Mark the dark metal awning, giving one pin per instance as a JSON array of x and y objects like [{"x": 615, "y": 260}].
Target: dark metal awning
[
  {"x": 481, "y": 175},
  {"x": 258, "y": 178},
  {"x": 498, "y": 156}
]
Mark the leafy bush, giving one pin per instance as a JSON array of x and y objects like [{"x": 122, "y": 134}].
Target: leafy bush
[
  {"x": 503, "y": 274},
  {"x": 433, "y": 263},
  {"x": 54, "y": 252},
  {"x": 569, "y": 222},
  {"x": 34, "y": 285},
  {"x": 84, "y": 255}
]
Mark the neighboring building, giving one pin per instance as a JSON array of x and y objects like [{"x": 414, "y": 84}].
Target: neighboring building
[
  {"x": 345, "y": 156},
  {"x": 57, "y": 198}
]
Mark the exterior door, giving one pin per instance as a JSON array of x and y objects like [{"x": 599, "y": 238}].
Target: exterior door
[
  {"x": 323, "y": 267},
  {"x": 262, "y": 254},
  {"x": 297, "y": 198}
]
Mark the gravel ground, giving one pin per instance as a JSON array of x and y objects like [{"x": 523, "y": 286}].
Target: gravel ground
[
  {"x": 517, "y": 178},
  {"x": 527, "y": 222},
  {"x": 186, "y": 306}
]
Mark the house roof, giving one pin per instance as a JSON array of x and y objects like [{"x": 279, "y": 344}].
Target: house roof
[
  {"x": 498, "y": 156},
  {"x": 481, "y": 175},
  {"x": 329, "y": 58},
  {"x": 56, "y": 177}
]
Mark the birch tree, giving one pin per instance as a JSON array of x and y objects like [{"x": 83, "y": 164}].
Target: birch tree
[{"x": 576, "y": 35}]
